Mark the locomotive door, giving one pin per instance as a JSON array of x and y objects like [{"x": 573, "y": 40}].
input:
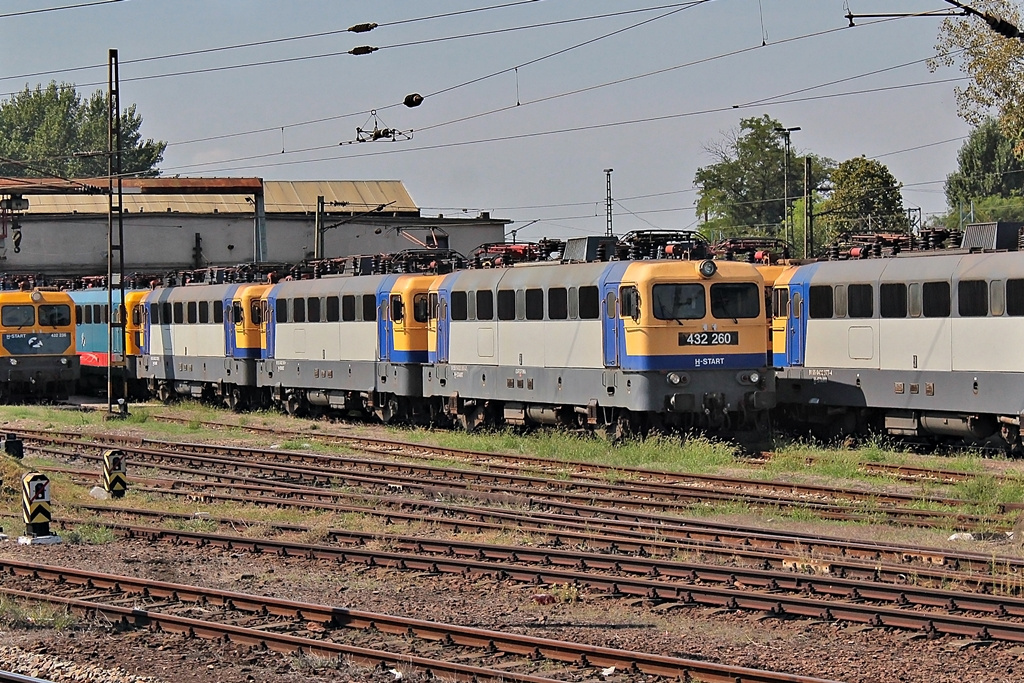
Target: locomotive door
[
  {"x": 443, "y": 326},
  {"x": 610, "y": 325},
  {"x": 384, "y": 331},
  {"x": 795, "y": 340},
  {"x": 229, "y": 325}
]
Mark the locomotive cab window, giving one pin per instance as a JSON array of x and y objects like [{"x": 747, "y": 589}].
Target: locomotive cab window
[
  {"x": 397, "y": 308},
  {"x": 137, "y": 314},
  {"x": 432, "y": 306},
  {"x": 629, "y": 303},
  {"x": 237, "y": 313},
  {"x": 420, "y": 308},
  {"x": 54, "y": 315},
  {"x": 256, "y": 312},
  {"x": 678, "y": 302},
  {"x": 17, "y": 316},
  {"x": 734, "y": 300},
  {"x": 780, "y": 302}
]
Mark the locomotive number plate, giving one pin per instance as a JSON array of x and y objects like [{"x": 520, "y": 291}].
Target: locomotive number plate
[{"x": 709, "y": 338}]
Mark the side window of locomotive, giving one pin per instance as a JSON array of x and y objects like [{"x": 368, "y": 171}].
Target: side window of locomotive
[
  {"x": 996, "y": 303},
  {"x": 165, "y": 313},
  {"x": 460, "y": 307},
  {"x": 471, "y": 305},
  {"x": 88, "y": 315},
  {"x": 819, "y": 301},
  {"x": 735, "y": 300},
  {"x": 432, "y": 306},
  {"x": 237, "y": 313},
  {"x": 780, "y": 302},
  {"x": 420, "y": 307},
  {"x": 935, "y": 299},
  {"x": 914, "y": 302},
  {"x": 136, "y": 314},
  {"x": 972, "y": 298},
  {"x": 558, "y": 303},
  {"x": 484, "y": 304},
  {"x": 179, "y": 313},
  {"x": 218, "y": 311},
  {"x": 154, "y": 314},
  {"x": 892, "y": 300},
  {"x": 313, "y": 309},
  {"x": 193, "y": 313},
  {"x": 78, "y": 315},
  {"x": 281, "y": 310},
  {"x": 861, "y": 301},
  {"x": 97, "y": 313},
  {"x": 56, "y": 315},
  {"x": 520, "y": 304},
  {"x": 1015, "y": 297},
  {"x": 629, "y": 303},
  {"x": 678, "y": 302},
  {"x": 397, "y": 308},
  {"x": 506, "y": 304},
  {"x": 590, "y": 303},
  {"x": 299, "y": 310},
  {"x": 535, "y": 304},
  {"x": 17, "y": 316},
  {"x": 334, "y": 308},
  {"x": 204, "y": 312},
  {"x": 369, "y": 308}
]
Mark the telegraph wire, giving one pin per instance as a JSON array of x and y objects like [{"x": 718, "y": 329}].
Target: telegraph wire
[{"x": 41, "y": 10}]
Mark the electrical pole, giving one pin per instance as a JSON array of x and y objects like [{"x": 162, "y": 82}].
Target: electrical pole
[
  {"x": 784, "y": 132},
  {"x": 808, "y": 210},
  {"x": 608, "y": 203},
  {"x": 318, "y": 229},
  {"x": 115, "y": 233}
]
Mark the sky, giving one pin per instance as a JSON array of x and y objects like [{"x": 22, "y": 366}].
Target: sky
[{"x": 526, "y": 102}]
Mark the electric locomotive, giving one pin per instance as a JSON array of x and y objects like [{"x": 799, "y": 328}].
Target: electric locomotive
[
  {"x": 918, "y": 346},
  {"x": 616, "y": 346},
  {"x": 37, "y": 345}
]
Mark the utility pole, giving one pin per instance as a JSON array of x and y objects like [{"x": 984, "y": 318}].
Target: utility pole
[
  {"x": 808, "y": 210},
  {"x": 784, "y": 132},
  {"x": 608, "y": 203},
  {"x": 318, "y": 229},
  {"x": 115, "y": 234}
]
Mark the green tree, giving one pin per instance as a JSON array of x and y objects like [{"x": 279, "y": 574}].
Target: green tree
[
  {"x": 993, "y": 63},
  {"x": 984, "y": 210},
  {"x": 986, "y": 166},
  {"x": 742, "y": 193},
  {"x": 52, "y": 130},
  {"x": 865, "y": 198}
]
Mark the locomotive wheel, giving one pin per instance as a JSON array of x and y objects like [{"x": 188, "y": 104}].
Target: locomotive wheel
[
  {"x": 473, "y": 420},
  {"x": 233, "y": 398},
  {"x": 293, "y": 404},
  {"x": 164, "y": 393},
  {"x": 389, "y": 412}
]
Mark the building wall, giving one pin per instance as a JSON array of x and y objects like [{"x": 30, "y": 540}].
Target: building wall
[{"x": 154, "y": 243}]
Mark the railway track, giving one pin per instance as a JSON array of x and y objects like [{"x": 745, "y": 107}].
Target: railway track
[
  {"x": 851, "y": 504},
  {"x": 273, "y": 623}
]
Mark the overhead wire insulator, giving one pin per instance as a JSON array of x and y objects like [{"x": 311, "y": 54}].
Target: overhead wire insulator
[
  {"x": 363, "y": 50},
  {"x": 362, "y": 28},
  {"x": 413, "y": 100}
]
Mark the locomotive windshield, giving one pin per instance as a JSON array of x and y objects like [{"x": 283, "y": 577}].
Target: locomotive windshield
[
  {"x": 679, "y": 302},
  {"x": 18, "y": 316},
  {"x": 735, "y": 300},
  {"x": 55, "y": 315}
]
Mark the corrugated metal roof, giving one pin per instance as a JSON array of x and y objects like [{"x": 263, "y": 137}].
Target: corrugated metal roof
[{"x": 281, "y": 197}]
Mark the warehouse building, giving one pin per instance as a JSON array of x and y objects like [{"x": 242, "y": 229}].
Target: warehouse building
[{"x": 182, "y": 223}]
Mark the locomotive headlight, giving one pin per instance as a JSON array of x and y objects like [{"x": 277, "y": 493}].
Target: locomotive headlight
[
  {"x": 673, "y": 378},
  {"x": 755, "y": 377},
  {"x": 63, "y": 361},
  {"x": 14, "y": 361},
  {"x": 707, "y": 268}
]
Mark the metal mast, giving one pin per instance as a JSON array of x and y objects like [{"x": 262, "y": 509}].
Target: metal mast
[
  {"x": 115, "y": 230},
  {"x": 608, "y": 203}
]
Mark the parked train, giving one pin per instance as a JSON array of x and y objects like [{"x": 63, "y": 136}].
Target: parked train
[
  {"x": 38, "y": 358},
  {"x": 918, "y": 346},
  {"x": 613, "y": 345}
]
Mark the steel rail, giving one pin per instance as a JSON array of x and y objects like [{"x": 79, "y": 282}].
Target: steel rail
[
  {"x": 499, "y": 486},
  {"x": 772, "y": 603},
  {"x": 523, "y": 645}
]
